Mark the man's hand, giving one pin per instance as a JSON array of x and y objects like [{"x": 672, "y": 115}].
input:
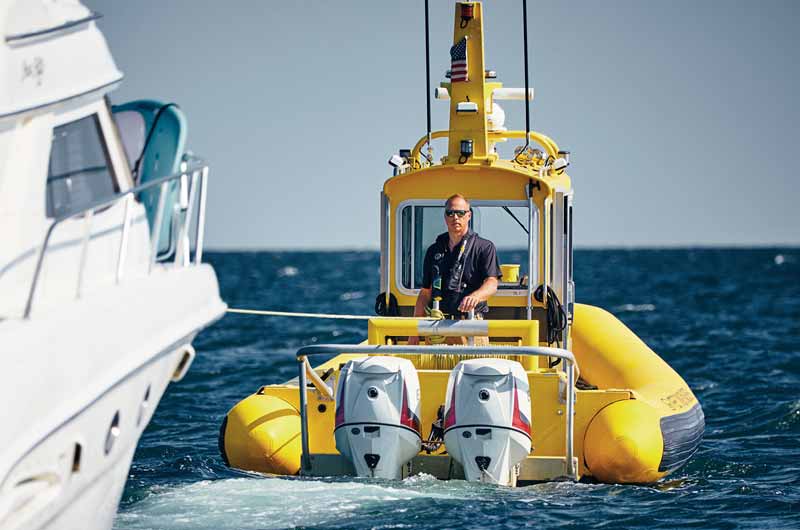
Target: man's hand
[
  {"x": 486, "y": 290},
  {"x": 413, "y": 341},
  {"x": 469, "y": 303}
]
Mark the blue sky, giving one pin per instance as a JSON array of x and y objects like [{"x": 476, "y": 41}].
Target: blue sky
[{"x": 682, "y": 117}]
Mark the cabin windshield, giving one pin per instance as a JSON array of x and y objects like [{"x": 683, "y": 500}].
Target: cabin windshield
[
  {"x": 503, "y": 223},
  {"x": 80, "y": 171}
]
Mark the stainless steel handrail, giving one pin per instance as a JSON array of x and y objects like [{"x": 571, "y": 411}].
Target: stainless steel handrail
[
  {"x": 337, "y": 349},
  {"x": 195, "y": 166}
]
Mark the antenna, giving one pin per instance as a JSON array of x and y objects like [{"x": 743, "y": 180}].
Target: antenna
[
  {"x": 527, "y": 90},
  {"x": 428, "y": 80}
]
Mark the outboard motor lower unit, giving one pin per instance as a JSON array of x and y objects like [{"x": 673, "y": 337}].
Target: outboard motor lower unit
[
  {"x": 377, "y": 415},
  {"x": 487, "y": 426}
]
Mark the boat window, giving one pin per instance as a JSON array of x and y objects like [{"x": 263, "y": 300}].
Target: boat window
[
  {"x": 79, "y": 171},
  {"x": 569, "y": 236},
  {"x": 504, "y": 225},
  {"x": 570, "y": 281},
  {"x": 552, "y": 222},
  {"x": 407, "y": 258},
  {"x": 424, "y": 224}
]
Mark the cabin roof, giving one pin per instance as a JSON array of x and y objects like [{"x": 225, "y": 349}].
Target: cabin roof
[
  {"x": 51, "y": 51},
  {"x": 502, "y": 180}
]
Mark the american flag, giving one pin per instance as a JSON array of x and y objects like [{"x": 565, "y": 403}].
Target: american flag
[{"x": 458, "y": 61}]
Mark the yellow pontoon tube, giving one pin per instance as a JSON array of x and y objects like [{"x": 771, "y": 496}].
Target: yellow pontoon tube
[
  {"x": 639, "y": 424},
  {"x": 643, "y": 438}
]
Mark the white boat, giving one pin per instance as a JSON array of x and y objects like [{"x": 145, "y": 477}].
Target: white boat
[{"x": 102, "y": 285}]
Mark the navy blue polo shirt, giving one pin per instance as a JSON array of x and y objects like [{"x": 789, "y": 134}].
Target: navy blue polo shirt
[{"x": 480, "y": 263}]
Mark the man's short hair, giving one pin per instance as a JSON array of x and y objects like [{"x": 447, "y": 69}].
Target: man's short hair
[{"x": 457, "y": 196}]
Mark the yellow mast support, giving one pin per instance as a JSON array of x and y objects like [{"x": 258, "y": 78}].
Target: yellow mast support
[{"x": 466, "y": 125}]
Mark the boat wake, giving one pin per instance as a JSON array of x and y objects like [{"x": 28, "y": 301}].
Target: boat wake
[
  {"x": 278, "y": 502},
  {"x": 250, "y": 503}
]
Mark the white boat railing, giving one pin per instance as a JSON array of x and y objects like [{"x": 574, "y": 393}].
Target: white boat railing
[
  {"x": 193, "y": 182},
  {"x": 338, "y": 349}
]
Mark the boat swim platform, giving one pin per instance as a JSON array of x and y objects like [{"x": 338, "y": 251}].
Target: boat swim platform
[
  {"x": 547, "y": 460},
  {"x": 444, "y": 467}
]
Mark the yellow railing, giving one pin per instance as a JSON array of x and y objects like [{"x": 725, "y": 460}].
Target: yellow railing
[
  {"x": 544, "y": 141},
  {"x": 519, "y": 332}
]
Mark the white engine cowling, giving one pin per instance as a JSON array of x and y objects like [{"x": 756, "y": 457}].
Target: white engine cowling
[
  {"x": 487, "y": 419},
  {"x": 377, "y": 415}
]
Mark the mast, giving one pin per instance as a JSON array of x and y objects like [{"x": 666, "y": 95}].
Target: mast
[{"x": 470, "y": 94}]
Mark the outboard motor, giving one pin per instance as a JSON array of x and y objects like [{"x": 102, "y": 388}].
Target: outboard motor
[
  {"x": 487, "y": 426},
  {"x": 377, "y": 415}
]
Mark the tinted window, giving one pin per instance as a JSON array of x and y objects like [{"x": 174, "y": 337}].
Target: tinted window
[
  {"x": 421, "y": 225},
  {"x": 79, "y": 172},
  {"x": 407, "y": 246},
  {"x": 428, "y": 223}
]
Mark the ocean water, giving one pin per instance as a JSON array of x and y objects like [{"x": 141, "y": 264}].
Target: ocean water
[{"x": 728, "y": 320}]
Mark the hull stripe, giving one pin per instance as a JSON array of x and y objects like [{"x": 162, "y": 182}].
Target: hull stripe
[{"x": 682, "y": 435}]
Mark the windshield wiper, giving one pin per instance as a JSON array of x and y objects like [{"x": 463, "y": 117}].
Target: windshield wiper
[{"x": 509, "y": 212}]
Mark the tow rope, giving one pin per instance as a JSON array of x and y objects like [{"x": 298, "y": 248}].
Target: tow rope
[{"x": 268, "y": 313}]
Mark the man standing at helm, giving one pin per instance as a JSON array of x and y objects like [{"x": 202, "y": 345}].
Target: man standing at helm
[{"x": 459, "y": 266}]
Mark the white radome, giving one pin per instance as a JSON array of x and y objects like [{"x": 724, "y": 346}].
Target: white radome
[{"x": 497, "y": 118}]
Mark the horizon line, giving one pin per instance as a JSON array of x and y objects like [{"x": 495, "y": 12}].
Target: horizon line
[{"x": 667, "y": 246}]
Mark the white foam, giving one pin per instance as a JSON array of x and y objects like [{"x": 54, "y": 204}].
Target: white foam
[
  {"x": 636, "y": 308},
  {"x": 352, "y": 295},
  {"x": 250, "y": 503},
  {"x": 288, "y": 271}
]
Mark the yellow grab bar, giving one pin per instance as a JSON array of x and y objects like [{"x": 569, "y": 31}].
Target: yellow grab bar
[
  {"x": 544, "y": 141},
  {"x": 526, "y": 331}
]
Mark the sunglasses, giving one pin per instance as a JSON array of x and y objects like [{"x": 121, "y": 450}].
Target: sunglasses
[{"x": 459, "y": 213}]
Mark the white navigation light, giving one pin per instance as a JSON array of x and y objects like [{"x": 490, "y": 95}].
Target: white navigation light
[
  {"x": 441, "y": 93},
  {"x": 469, "y": 107},
  {"x": 397, "y": 161}
]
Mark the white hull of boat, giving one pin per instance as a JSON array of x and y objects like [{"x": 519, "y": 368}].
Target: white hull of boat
[{"x": 67, "y": 467}]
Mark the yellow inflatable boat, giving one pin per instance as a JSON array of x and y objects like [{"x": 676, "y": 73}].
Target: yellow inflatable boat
[{"x": 602, "y": 404}]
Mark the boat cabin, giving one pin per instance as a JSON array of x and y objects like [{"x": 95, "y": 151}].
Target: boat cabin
[
  {"x": 76, "y": 210},
  {"x": 523, "y": 205}
]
